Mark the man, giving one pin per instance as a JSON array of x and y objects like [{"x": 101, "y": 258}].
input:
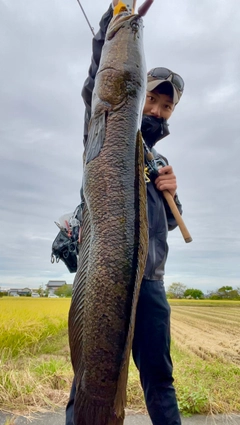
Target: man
[{"x": 151, "y": 344}]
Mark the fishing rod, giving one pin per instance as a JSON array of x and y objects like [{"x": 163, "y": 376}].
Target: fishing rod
[
  {"x": 153, "y": 166},
  {"x": 91, "y": 28}
]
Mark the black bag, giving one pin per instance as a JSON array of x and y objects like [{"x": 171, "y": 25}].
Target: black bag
[
  {"x": 65, "y": 245},
  {"x": 63, "y": 248}
]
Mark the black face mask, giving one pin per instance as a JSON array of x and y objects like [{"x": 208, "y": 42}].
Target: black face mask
[{"x": 153, "y": 129}]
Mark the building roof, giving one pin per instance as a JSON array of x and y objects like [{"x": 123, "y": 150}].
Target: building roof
[
  {"x": 56, "y": 283},
  {"x": 20, "y": 289}
]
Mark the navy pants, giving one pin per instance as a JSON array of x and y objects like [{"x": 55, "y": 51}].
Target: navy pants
[{"x": 151, "y": 354}]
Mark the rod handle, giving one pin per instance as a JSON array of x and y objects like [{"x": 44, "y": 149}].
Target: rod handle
[{"x": 186, "y": 235}]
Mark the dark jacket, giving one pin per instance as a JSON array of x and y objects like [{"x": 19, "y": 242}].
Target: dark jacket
[{"x": 160, "y": 218}]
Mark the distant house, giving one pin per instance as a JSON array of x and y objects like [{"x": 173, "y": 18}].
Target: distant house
[
  {"x": 20, "y": 292},
  {"x": 52, "y": 285}
]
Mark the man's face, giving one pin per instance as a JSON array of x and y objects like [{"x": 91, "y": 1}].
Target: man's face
[{"x": 158, "y": 105}]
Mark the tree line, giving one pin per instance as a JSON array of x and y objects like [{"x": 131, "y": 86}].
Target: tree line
[
  {"x": 175, "y": 291},
  {"x": 179, "y": 290}
]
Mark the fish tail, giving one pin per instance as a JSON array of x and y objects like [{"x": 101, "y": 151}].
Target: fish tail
[
  {"x": 88, "y": 412},
  {"x": 116, "y": 420}
]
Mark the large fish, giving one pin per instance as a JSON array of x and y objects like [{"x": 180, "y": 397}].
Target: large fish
[{"x": 115, "y": 230}]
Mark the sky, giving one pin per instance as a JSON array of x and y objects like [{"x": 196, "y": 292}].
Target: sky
[{"x": 45, "y": 51}]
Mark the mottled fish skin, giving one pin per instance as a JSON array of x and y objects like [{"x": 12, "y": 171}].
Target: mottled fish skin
[{"x": 115, "y": 230}]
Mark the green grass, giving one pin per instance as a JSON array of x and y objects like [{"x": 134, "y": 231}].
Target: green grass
[{"x": 205, "y": 387}]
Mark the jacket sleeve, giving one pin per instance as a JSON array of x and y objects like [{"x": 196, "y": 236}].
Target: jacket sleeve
[
  {"x": 172, "y": 224},
  {"x": 88, "y": 86}
]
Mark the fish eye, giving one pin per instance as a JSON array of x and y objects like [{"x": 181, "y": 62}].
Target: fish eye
[{"x": 135, "y": 26}]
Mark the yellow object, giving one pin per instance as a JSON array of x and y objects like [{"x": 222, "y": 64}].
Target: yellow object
[
  {"x": 146, "y": 175},
  {"x": 121, "y": 7}
]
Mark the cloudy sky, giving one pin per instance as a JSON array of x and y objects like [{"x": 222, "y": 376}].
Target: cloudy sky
[{"x": 45, "y": 50}]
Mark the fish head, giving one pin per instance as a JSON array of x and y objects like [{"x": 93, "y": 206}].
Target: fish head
[
  {"x": 122, "y": 71},
  {"x": 124, "y": 23}
]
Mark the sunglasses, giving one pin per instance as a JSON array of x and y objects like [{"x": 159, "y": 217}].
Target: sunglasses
[{"x": 164, "y": 73}]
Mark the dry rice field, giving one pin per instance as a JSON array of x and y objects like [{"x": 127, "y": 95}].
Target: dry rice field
[{"x": 208, "y": 331}]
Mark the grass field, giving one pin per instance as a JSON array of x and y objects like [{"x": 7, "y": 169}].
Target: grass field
[{"x": 36, "y": 373}]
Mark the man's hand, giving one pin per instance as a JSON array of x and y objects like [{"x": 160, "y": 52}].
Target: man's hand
[
  {"x": 115, "y": 2},
  {"x": 166, "y": 180}
]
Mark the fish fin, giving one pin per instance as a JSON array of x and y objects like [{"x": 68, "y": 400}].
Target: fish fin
[
  {"x": 77, "y": 308},
  {"x": 141, "y": 249},
  {"x": 114, "y": 420},
  {"x": 96, "y": 136},
  {"x": 88, "y": 412}
]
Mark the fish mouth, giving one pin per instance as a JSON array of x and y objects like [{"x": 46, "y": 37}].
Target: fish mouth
[{"x": 120, "y": 21}]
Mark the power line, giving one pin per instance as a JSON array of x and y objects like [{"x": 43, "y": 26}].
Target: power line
[{"x": 91, "y": 28}]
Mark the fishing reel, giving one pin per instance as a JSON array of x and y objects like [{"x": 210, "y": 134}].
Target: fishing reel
[{"x": 152, "y": 164}]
